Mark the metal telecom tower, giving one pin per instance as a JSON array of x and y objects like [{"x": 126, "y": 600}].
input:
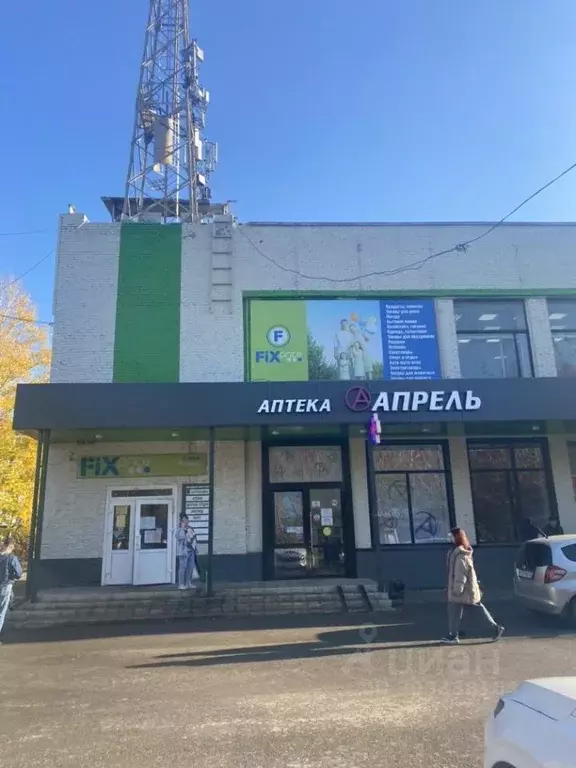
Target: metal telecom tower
[{"x": 170, "y": 164}]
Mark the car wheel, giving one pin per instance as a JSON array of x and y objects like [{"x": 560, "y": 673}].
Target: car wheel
[{"x": 571, "y": 613}]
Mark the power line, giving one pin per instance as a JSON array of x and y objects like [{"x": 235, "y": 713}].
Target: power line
[
  {"x": 416, "y": 265},
  {"x": 33, "y": 267},
  {"x": 37, "y": 264},
  {"x": 30, "y": 232},
  {"x": 25, "y": 320}
]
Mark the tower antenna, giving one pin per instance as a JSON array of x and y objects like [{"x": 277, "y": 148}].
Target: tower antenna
[{"x": 170, "y": 162}]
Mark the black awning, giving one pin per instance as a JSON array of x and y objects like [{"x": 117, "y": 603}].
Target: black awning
[{"x": 123, "y": 406}]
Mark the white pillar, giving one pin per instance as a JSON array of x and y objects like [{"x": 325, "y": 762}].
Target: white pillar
[
  {"x": 461, "y": 487},
  {"x": 541, "y": 342},
  {"x": 562, "y": 476},
  {"x": 360, "y": 493},
  {"x": 229, "y": 498},
  {"x": 447, "y": 339},
  {"x": 254, "y": 496}
]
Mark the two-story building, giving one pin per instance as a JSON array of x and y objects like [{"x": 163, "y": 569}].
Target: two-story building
[{"x": 229, "y": 372}]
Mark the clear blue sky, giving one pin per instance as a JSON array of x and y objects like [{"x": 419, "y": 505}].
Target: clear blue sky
[{"x": 324, "y": 110}]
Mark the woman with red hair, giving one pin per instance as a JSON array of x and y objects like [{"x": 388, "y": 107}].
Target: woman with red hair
[{"x": 463, "y": 588}]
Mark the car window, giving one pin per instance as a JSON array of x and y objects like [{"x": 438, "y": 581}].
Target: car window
[
  {"x": 569, "y": 552},
  {"x": 534, "y": 554}
]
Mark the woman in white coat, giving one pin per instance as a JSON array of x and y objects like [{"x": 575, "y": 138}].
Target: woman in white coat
[{"x": 463, "y": 588}]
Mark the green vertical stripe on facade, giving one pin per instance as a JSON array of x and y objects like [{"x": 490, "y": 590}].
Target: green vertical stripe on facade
[{"x": 147, "y": 341}]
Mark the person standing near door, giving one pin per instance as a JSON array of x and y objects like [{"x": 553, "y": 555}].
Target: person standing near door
[
  {"x": 463, "y": 588},
  {"x": 10, "y": 571},
  {"x": 182, "y": 553},
  {"x": 192, "y": 569}
]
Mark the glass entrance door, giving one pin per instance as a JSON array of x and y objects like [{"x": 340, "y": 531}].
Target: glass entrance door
[
  {"x": 308, "y": 533},
  {"x": 151, "y": 561},
  {"x": 139, "y": 542},
  {"x": 120, "y": 540}
]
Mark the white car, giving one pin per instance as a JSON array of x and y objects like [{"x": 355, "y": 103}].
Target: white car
[{"x": 534, "y": 727}]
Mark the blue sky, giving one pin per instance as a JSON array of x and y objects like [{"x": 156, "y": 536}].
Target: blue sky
[{"x": 324, "y": 110}]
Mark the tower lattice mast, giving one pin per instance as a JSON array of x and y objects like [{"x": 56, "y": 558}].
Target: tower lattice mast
[{"x": 170, "y": 163}]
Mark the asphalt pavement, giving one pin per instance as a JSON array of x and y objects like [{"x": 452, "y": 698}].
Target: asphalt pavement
[{"x": 290, "y": 692}]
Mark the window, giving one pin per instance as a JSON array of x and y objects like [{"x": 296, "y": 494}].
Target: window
[
  {"x": 412, "y": 494},
  {"x": 510, "y": 490},
  {"x": 572, "y": 457},
  {"x": 141, "y": 493},
  {"x": 492, "y": 339},
  {"x": 289, "y": 517},
  {"x": 121, "y": 527},
  {"x": 569, "y": 552},
  {"x": 562, "y": 318},
  {"x": 305, "y": 464},
  {"x": 534, "y": 555}
]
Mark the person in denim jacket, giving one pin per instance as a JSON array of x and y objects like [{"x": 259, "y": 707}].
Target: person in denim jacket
[
  {"x": 186, "y": 551},
  {"x": 10, "y": 571}
]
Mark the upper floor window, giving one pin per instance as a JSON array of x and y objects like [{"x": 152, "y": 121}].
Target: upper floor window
[
  {"x": 492, "y": 339},
  {"x": 562, "y": 317}
]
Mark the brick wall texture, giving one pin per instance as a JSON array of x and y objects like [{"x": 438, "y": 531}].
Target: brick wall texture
[{"x": 217, "y": 268}]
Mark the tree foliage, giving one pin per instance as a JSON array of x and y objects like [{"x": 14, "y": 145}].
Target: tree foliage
[
  {"x": 319, "y": 369},
  {"x": 24, "y": 358}
]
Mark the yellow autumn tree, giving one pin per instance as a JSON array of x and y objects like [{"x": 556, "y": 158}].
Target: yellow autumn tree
[{"x": 24, "y": 358}]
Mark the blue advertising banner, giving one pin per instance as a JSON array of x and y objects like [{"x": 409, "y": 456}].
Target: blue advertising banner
[
  {"x": 342, "y": 339},
  {"x": 409, "y": 339}
]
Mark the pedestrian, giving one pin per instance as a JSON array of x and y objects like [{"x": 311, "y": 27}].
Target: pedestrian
[
  {"x": 192, "y": 569},
  {"x": 463, "y": 588},
  {"x": 10, "y": 571},
  {"x": 182, "y": 552}
]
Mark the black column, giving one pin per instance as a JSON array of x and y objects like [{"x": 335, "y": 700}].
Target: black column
[
  {"x": 373, "y": 510},
  {"x": 33, "y": 520},
  {"x": 38, "y": 515},
  {"x": 209, "y": 582}
]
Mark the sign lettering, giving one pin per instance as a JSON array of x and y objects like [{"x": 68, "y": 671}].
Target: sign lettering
[
  {"x": 427, "y": 401},
  {"x": 133, "y": 467},
  {"x": 359, "y": 399},
  {"x": 296, "y": 406}
]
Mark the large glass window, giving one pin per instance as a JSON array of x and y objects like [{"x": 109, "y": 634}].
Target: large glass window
[
  {"x": 305, "y": 464},
  {"x": 572, "y": 455},
  {"x": 412, "y": 494},
  {"x": 562, "y": 317},
  {"x": 510, "y": 491},
  {"x": 492, "y": 339}
]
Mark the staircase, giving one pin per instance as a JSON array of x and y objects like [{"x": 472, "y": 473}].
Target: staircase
[{"x": 75, "y": 607}]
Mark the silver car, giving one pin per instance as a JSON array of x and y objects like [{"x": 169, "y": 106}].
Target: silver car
[{"x": 545, "y": 576}]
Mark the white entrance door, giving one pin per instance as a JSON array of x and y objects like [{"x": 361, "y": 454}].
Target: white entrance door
[
  {"x": 119, "y": 563},
  {"x": 153, "y": 550},
  {"x": 139, "y": 540}
]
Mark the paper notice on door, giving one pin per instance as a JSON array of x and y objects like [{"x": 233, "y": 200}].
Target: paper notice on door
[
  {"x": 153, "y": 537},
  {"x": 326, "y": 516},
  {"x": 147, "y": 523},
  {"x": 315, "y": 505}
]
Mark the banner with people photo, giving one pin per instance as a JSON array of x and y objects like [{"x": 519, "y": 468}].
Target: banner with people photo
[{"x": 342, "y": 339}]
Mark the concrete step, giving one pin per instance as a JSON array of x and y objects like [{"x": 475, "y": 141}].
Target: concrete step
[
  {"x": 108, "y": 594},
  {"x": 37, "y": 615},
  {"x": 58, "y": 607}
]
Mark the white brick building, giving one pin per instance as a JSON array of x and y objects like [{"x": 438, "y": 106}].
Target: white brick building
[{"x": 157, "y": 315}]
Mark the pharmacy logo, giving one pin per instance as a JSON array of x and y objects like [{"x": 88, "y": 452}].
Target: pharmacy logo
[
  {"x": 358, "y": 399},
  {"x": 278, "y": 336}
]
